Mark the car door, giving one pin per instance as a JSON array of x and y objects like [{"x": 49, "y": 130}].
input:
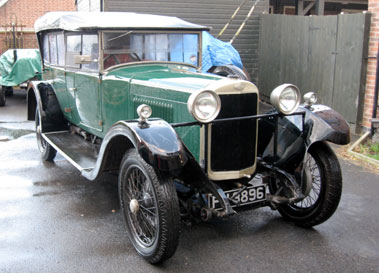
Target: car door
[
  {"x": 87, "y": 84},
  {"x": 83, "y": 81}
]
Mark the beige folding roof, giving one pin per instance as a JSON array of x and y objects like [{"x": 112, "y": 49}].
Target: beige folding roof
[{"x": 76, "y": 21}]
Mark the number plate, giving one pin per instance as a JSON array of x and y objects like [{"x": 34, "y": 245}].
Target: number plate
[{"x": 247, "y": 196}]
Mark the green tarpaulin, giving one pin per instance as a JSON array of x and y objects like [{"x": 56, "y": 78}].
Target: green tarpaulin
[{"x": 27, "y": 64}]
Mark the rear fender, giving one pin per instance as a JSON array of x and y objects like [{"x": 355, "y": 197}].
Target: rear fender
[
  {"x": 33, "y": 100},
  {"x": 41, "y": 96}
]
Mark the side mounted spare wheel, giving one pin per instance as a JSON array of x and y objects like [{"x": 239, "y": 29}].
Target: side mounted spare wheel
[{"x": 230, "y": 70}]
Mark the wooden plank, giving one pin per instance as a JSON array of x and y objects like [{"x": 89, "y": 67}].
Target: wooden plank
[
  {"x": 269, "y": 53},
  {"x": 320, "y": 6},
  {"x": 300, "y": 7},
  {"x": 351, "y": 65},
  {"x": 320, "y": 65},
  {"x": 291, "y": 52}
]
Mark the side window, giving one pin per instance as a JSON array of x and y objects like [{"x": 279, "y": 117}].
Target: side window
[
  {"x": 74, "y": 46},
  {"x": 45, "y": 50},
  {"x": 61, "y": 49},
  {"x": 91, "y": 48},
  {"x": 53, "y": 49},
  {"x": 190, "y": 42}
]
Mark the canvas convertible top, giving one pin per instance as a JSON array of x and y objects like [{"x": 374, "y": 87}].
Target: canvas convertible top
[
  {"x": 14, "y": 71},
  {"x": 76, "y": 21}
]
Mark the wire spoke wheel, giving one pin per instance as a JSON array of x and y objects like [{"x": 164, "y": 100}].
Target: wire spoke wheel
[
  {"x": 315, "y": 191},
  {"x": 150, "y": 208},
  {"x": 144, "y": 215},
  {"x": 326, "y": 188}
]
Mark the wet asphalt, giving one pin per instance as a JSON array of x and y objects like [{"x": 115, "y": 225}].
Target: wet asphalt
[{"x": 54, "y": 220}]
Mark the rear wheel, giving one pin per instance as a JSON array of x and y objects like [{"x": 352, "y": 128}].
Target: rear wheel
[
  {"x": 48, "y": 153},
  {"x": 150, "y": 207},
  {"x": 326, "y": 189},
  {"x": 2, "y": 95}
]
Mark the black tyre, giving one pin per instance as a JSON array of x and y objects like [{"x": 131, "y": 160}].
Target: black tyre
[
  {"x": 48, "y": 153},
  {"x": 324, "y": 197},
  {"x": 2, "y": 95},
  {"x": 230, "y": 70},
  {"x": 9, "y": 91},
  {"x": 150, "y": 207}
]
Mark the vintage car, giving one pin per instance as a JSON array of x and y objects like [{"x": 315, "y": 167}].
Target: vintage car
[
  {"x": 124, "y": 92},
  {"x": 17, "y": 66}
]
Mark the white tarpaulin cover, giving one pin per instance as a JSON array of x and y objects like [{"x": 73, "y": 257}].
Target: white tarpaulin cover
[{"x": 74, "y": 21}]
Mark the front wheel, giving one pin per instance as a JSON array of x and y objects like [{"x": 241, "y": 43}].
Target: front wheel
[
  {"x": 325, "y": 194},
  {"x": 150, "y": 208}
]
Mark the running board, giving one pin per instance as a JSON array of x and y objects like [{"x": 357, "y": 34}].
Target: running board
[{"x": 79, "y": 152}]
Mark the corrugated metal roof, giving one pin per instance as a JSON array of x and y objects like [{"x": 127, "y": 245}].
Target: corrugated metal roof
[{"x": 74, "y": 21}]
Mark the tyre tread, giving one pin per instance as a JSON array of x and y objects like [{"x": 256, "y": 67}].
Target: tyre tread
[
  {"x": 168, "y": 205},
  {"x": 333, "y": 189}
]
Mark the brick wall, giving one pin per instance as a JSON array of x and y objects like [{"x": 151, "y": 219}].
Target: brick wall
[
  {"x": 27, "y": 12},
  {"x": 373, "y": 8}
]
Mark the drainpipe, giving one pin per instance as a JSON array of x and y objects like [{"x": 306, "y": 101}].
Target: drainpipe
[{"x": 374, "y": 110}]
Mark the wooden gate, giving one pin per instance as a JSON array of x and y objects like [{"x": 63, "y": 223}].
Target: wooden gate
[{"x": 323, "y": 54}]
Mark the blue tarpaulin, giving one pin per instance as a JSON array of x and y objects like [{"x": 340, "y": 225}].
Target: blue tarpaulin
[{"x": 217, "y": 53}]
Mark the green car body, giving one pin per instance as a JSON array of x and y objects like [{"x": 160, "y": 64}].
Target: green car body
[
  {"x": 100, "y": 101},
  {"x": 124, "y": 92}
]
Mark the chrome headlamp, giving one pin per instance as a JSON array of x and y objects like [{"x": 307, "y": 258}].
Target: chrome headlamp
[
  {"x": 204, "y": 106},
  {"x": 310, "y": 98},
  {"x": 285, "y": 98},
  {"x": 144, "y": 112}
]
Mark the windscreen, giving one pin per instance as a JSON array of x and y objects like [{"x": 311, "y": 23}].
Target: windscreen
[{"x": 129, "y": 46}]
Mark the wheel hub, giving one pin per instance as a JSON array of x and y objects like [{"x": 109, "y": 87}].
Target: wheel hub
[{"x": 134, "y": 206}]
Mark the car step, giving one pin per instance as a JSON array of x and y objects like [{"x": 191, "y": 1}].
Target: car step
[{"x": 81, "y": 153}]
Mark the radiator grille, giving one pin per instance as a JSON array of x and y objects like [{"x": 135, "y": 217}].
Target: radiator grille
[{"x": 233, "y": 143}]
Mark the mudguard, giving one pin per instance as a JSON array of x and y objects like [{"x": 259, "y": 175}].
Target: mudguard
[
  {"x": 160, "y": 146},
  {"x": 156, "y": 141},
  {"x": 321, "y": 123},
  {"x": 41, "y": 94},
  {"x": 325, "y": 124}
]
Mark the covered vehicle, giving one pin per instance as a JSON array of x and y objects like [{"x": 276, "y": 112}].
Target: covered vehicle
[
  {"x": 124, "y": 92},
  {"x": 17, "y": 66}
]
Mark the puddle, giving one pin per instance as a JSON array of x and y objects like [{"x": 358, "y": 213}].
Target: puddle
[{"x": 7, "y": 134}]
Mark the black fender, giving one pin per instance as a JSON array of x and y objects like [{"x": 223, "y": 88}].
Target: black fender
[
  {"x": 324, "y": 124},
  {"x": 161, "y": 147},
  {"x": 41, "y": 96},
  {"x": 156, "y": 141},
  {"x": 321, "y": 123}
]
